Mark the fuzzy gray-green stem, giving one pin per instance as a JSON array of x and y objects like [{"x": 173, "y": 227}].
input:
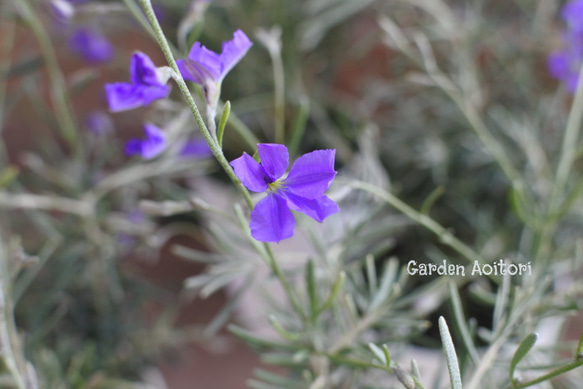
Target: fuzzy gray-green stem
[
  {"x": 445, "y": 236},
  {"x": 216, "y": 150}
]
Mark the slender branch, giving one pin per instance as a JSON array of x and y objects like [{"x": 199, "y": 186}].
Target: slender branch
[
  {"x": 444, "y": 235},
  {"x": 555, "y": 373},
  {"x": 32, "y": 201},
  {"x": 58, "y": 88},
  {"x": 286, "y": 286},
  {"x": 568, "y": 154},
  {"x": 6, "y": 351},
  {"x": 216, "y": 150}
]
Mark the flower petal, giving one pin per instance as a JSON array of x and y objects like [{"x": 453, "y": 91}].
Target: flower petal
[
  {"x": 572, "y": 13},
  {"x": 122, "y": 96},
  {"x": 195, "y": 72},
  {"x": 196, "y": 148},
  {"x": 154, "y": 143},
  {"x": 250, "y": 173},
  {"x": 311, "y": 174},
  {"x": 271, "y": 219},
  {"x": 150, "y": 94},
  {"x": 206, "y": 58},
  {"x": 133, "y": 147},
  {"x": 274, "y": 159},
  {"x": 558, "y": 65},
  {"x": 318, "y": 209},
  {"x": 150, "y": 147},
  {"x": 143, "y": 70},
  {"x": 233, "y": 51}
]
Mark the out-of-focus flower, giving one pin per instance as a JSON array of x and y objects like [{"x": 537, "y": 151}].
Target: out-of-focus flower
[
  {"x": 301, "y": 190},
  {"x": 63, "y": 10},
  {"x": 91, "y": 45},
  {"x": 145, "y": 87},
  {"x": 572, "y": 13},
  {"x": 151, "y": 146},
  {"x": 208, "y": 69},
  {"x": 564, "y": 65},
  {"x": 196, "y": 148},
  {"x": 99, "y": 123}
]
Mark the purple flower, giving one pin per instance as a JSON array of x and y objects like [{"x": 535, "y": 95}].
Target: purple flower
[
  {"x": 208, "y": 69},
  {"x": 301, "y": 190},
  {"x": 564, "y": 65},
  {"x": 99, "y": 123},
  {"x": 572, "y": 13},
  {"x": 91, "y": 45},
  {"x": 150, "y": 147},
  {"x": 144, "y": 88},
  {"x": 196, "y": 148}
]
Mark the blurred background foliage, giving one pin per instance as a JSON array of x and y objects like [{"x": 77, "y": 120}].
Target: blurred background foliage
[{"x": 403, "y": 90}]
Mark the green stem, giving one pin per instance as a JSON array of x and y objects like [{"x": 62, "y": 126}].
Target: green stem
[
  {"x": 58, "y": 88},
  {"x": 286, "y": 286},
  {"x": 444, "y": 235},
  {"x": 480, "y": 128},
  {"x": 279, "y": 79},
  {"x": 568, "y": 155},
  {"x": 216, "y": 150},
  {"x": 555, "y": 373},
  {"x": 6, "y": 327}
]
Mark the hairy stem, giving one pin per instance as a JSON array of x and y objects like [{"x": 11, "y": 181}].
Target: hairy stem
[{"x": 216, "y": 150}]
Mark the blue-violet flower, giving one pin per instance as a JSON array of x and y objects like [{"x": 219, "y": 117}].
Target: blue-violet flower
[
  {"x": 91, "y": 45},
  {"x": 145, "y": 87},
  {"x": 301, "y": 190},
  {"x": 150, "y": 147},
  {"x": 208, "y": 69},
  {"x": 196, "y": 148},
  {"x": 565, "y": 65}
]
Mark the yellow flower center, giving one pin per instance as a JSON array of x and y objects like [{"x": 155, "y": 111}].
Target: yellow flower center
[{"x": 275, "y": 186}]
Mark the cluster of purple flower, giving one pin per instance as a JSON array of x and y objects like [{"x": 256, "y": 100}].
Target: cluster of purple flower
[
  {"x": 302, "y": 189},
  {"x": 565, "y": 64},
  {"x": 146, "y": 85}
]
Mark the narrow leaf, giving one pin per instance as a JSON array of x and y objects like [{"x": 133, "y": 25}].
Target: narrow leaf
[
  {"x": 223, "y": 122},
  {"x": 336, "y": 288},
  {"x": 449, "y": 350},
  {"x": 431, "y": 199},
  {"x": 461, "y": 321},
  {"x": 579, "y": 353},
  {"x": 378, "y": 353},
  {"x": 311, "y": 285},
  {"x": 282, "y": 331},
  {"x": 259, "y": 341},
  {"x": 524, "y": 347},
  {"x": 387, "y": 355},
  {"x": 371, "y": 274},
  {"x": 415, "y": 369},
  {"x": 299, "y": 126}
]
